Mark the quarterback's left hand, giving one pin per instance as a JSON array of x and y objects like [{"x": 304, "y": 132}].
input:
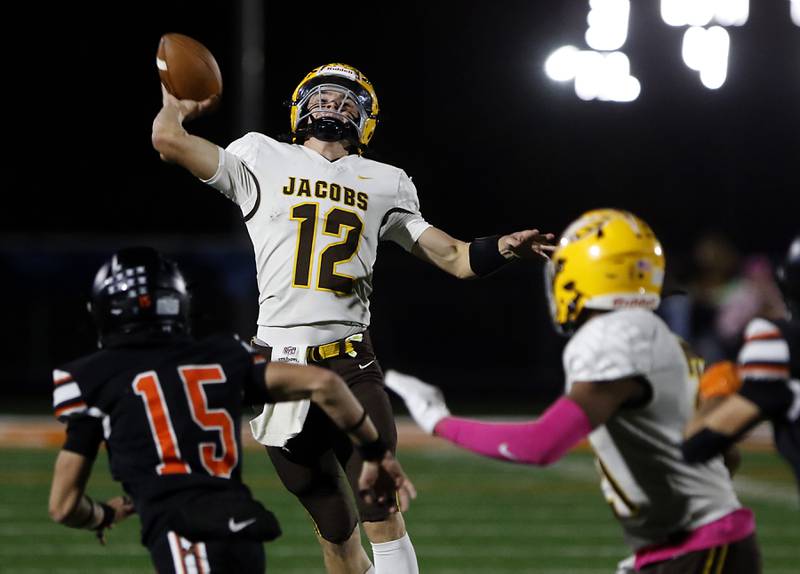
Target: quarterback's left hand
[{"x": 526, "y": 244}]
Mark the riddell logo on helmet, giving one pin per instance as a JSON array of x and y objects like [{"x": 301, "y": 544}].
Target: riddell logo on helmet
[{"x": 328, "y": 70}]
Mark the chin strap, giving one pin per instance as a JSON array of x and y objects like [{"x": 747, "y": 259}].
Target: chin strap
[{"x": 332, "y": 130}]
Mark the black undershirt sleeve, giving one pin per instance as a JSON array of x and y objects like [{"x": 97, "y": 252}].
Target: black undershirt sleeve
[
  {"x": 255, "y": 391},
  {"x": 773, "y": 397},
  {"x": 84, "y": 436}
]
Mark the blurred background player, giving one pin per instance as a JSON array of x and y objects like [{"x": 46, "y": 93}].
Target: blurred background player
[
  {"x": 765, "y": 385},
  {"x": 169, "y": 410},
  {"x": 315, "y": 211},
  {"x": 630, "y": 387}
]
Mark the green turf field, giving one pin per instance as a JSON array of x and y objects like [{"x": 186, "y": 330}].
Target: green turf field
[{"x": 472, "y": 516}]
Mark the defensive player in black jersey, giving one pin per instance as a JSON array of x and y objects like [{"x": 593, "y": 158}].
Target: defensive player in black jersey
[
  {"x": 168, "y": 408},
  {"x": 769, "y": 370}
]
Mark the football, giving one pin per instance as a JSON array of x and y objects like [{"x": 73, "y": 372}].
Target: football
[{"x": 187, "y": 68}]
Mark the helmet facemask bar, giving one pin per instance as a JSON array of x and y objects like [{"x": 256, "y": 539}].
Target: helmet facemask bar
[
  {"x": 563, "y": 325},
  {"x": 138, "y": 295},
  {"x": 336, "y": 102}
]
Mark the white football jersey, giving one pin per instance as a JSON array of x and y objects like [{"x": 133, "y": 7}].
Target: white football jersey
[
  {"x": 315, "y": 226},
  {"x": 652, "y": 491}
]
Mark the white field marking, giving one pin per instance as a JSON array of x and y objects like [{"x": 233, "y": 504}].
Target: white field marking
[
  {"x": 769, "y": 492},
  {"x": 754, "y": 488},
  {"x": 62, "y": 570},
  {"x": 583, "y": 470},
  {"x": 69, "y": 549},
  {"x": 486, "y": 530},
  {"x": 570, "y": 570},
  {"x": 307, "y": 570}
]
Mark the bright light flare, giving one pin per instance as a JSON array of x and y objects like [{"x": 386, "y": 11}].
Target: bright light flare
[
  {"x": 706, "y": 51},
  {"x": 732, "y": 12},
  {"x": 702, "y": 12},
  {"x": 608, "y": 24},
  {"x": 795, "y": 9},
  {"x": 605, "y": 77},
  {"x": 561, "y": 65}
]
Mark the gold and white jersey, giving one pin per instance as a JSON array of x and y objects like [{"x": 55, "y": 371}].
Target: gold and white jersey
[
  {"x": 652, "y": 491},
  {"x": 315, "y": 225}
]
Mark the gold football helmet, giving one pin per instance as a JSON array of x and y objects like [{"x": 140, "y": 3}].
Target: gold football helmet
[
  {"x": 606, "y": 259},
  {"x": 348, "y": 87}
]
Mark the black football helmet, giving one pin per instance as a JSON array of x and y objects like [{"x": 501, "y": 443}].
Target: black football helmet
[
  {"x": 138, "y": 294},
  {"x": 789, "y": 277}
]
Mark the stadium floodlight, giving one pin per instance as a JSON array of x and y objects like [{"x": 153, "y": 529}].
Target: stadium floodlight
[
  {"x": 605, "y": 77},
  {"x": 562, "y": 64},
  {"x": 732, "y": 12},
  {"x": 608, "y": 24},
  {"x": 693, "y": 49},
  {"x": 706, "y": 51},
  {"x": 687, "y": 12},
  {"x": 702, "y": 12},
  {"x": 589, "y": 75},
  {"x": 714, "y": 74},
  {"x": 795, "y": 10}
]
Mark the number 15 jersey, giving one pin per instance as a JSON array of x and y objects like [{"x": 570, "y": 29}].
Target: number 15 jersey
[{"x": 315, "y": 225}]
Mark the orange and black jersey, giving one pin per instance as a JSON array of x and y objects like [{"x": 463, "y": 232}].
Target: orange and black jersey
[
  {"x": 169, "y": 414},
  {"x": 769, "y": 365}
]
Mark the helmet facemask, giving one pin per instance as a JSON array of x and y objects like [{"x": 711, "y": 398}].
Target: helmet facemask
[
  {"x": 332, "y": 112},
  {"x": 138, "y": 296}
]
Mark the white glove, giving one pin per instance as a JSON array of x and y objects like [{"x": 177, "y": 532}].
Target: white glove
[
  {"x": 425, "y": 402},
  {"x": 627, "y": 566}
]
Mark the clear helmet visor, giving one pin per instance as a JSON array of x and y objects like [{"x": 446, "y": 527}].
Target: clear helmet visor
[{"x": 335, "y": 102}]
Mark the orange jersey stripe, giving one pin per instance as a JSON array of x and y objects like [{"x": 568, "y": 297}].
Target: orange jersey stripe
[
  {"x": 763, "y": 336},
  {"x": 69, "y": 407},
  {"x": 756, "y": 367},
  {"x": 62, "y": 380}
]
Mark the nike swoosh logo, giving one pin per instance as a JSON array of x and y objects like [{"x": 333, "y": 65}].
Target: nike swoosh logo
[
  {"x": 237, "y": 526},
  {"x": 505, "y": 452},
  {"x": 363, "y": 177},
  {"x": 367, "y": 365}
]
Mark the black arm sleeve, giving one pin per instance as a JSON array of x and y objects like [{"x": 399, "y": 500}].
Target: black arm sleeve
[
  {"x": 705, "y": 445},
  {"x": 84, "y": 435},
  {"x": 255, "y": 391},
  {"x": 773, "y": 397},
  {"x": 484, "y": 258}
]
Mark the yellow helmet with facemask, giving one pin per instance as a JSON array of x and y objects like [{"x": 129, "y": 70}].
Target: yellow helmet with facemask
[
  {"x": 347, "y": 86},
  {"x": 606, "y": 259}
]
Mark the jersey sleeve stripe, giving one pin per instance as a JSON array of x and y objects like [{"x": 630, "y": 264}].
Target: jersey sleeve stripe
[
  {"x": 761, "y": 328},
  {"x": 764, "y": 336},
  {"x": 764, "y": 371},
  {"x": 61, "y": 377},
  {"x": 765, "y": 351},
  {"x": 252, "y": 212},
  {"x": 67, "y": 392},
  {"x": 70, "y": 408}
]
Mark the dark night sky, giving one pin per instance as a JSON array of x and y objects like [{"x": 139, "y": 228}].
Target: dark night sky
[{"x": 467, "y": 111}]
